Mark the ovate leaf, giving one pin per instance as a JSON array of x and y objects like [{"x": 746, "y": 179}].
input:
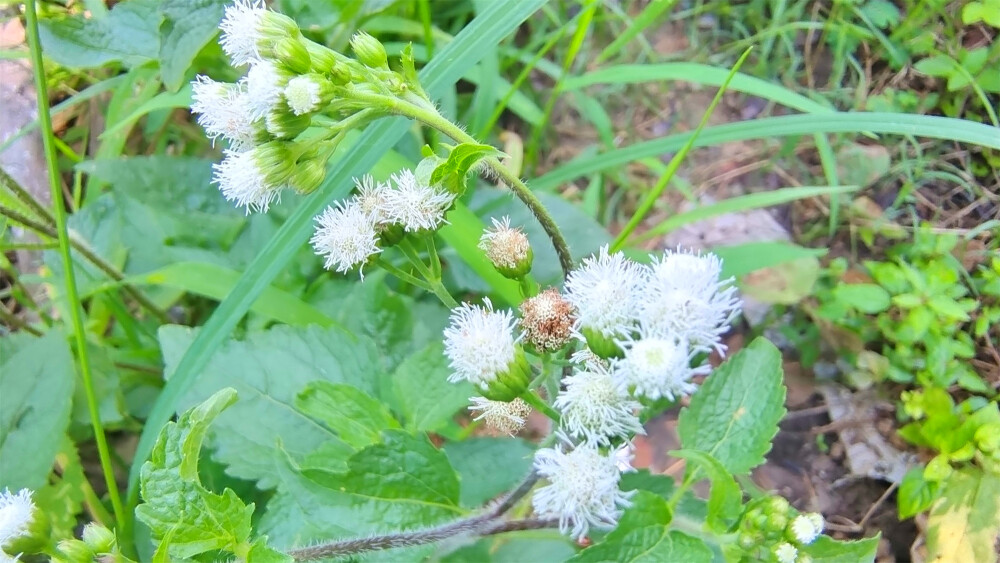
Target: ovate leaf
[
  {"x": 865, "y": 297},
  {"x": 352, "y": 414},
  {"x": 127, "y": 34},
  {"x": 453, "y": 173},
  {"x": 725, "y": 498},
  {"x": 487, "y": 467},
  {"x": 734, "y": 415},
  {"x": 186, "y": 27},
  {"x": 965, "y": 522},
  {"x": 642, "y": 535},
  {"x": 36, "y": 390},
  {"x": 179, "y": 511},
  {"x": 828, "y": 550}
]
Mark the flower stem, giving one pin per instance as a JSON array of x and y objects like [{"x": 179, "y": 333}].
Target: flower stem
[
  {"x": 123, "y": 524},
  {"x": 532, "y": 398},
  {"x": 433, "y": 282},
  {"x": 404, "y": 276}
]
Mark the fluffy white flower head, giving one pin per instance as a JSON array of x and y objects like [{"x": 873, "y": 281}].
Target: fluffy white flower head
[
  {"x": 586, "y": 358},
  {"x": 504, "y": 245},
  {"x": 345, "y": 237},
  {"x": 502, "y": 416},
  {"x": 479, "y": 343},
  {"x": 223, "y": 111},
  {"x": 785, "y": 553},
  {"x": 240, "y": 34},
  {"x": 371, "y": 197},
  {"x": 582, "y": 491},
  {"x": 242, "y": 181},
  {"x": 807, "y": 527},
  {"x": 16, "y": 511},
  {"x": 302, "y": 93},
  {"x": 605, "y": 291},
  {"x": 684, "y": 297},
  {"x": 656, "y": 367},
  {"x": 263, "y": 87},
  {"x": 594, "y": 409},
  {"x": 415, "y": 206}
]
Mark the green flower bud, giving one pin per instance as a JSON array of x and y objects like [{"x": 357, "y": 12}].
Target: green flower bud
[
  {"x": 76, "y": 551},
  {"x": 283, "y": 123},
  {"x": 746, "y": 541},
  {"x": 323, "y": 59},
  {"x": 275, "y": 26},
  {"x": 275, "y": 161},
  {"x": 604, "y": 346},
  {"x": 34, "y": 539},
  {"x": 511, "y": 383},
  {"x": 308, "y": 93},
  {"x": 390, "y": 234},
  {"x": 369, "y": 50},
  {"x": 99, "y": 538},
  {"x": 308, "y": 175},
  {"x": 292, "y": 53},
  {"x": 777, "y": 521}
]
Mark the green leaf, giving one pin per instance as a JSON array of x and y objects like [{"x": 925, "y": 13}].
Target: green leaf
[
  {"x": 865, "y": 297},
  {"x": 425, "y": 397},
  {"x": 938, "y": 65},
  {"x": 882, "y": 13},
  {"x": 965, "y": 522},
  {"x": 642, "y": 535},
  {"x": 186, "y": 27},
  {"x": 37, "y": 380},
  {"x": 268, "y": 370},
  {"x": 179, "y": 511},
  {"x": 352, "y": 414},
  {"x": 741, "y": 259},
  {"x": 127, "y": 34},
  {"x": 453, "y": 173},
  {"x": 828, "y": 550},
  {"x": 734, "y": 415},
  {"x": 725, "y": 498},
  {"x": 487, "y": 467},
  {"x": 916, "y": 494}
]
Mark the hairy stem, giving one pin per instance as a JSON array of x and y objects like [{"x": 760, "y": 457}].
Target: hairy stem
[{"x": 122, "y": 518}]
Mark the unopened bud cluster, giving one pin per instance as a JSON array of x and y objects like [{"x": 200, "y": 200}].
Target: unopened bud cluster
[
  {"x": 289, "y": 81},
  {"x": 646, "y": 329},
  {"x": 771, "y": 530}
]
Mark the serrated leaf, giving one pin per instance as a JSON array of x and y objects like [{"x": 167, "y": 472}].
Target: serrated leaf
[
  {"x": 186, "y": 27},
  {"x": 425, "y": 397},
  {"x": 725, "y": 498},
  {"x": 37, "y": 379},
  {"x": 487, "y": 467},
  {"x": 642, "y": 535},
  {"x": 965, "y": 522},
  {"x": 828, "y": 550},
  {"x": 179, "y": 511},
  {"x": 453, "y": 173},
  {"x": 734, "y": 415},
  {"x": 916, "y": 494},
  {"x": 352, "y": 414},
  {"x": 127, "y": 34}
]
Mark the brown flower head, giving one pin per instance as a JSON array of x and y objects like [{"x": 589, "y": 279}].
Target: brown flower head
[{"x": 547, "y": 320}]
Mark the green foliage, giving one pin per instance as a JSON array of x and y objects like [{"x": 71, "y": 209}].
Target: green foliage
[
  {"x": 186, "y": 27},
  {"x": 128, "y": 33},
  {"x": 964, "y": 524},
  {"x": 734, "y": 415}
]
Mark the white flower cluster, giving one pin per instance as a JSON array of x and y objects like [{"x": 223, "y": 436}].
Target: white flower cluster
[
  {"x": 349, "y": 233},
  {"x": 16, "y": 512}
]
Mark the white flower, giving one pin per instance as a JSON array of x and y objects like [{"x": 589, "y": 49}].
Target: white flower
[
  {"x": 371, "y": 197},
  {"x": 223, "y": 111},
  {"x": 807, "y": 527},
  {"x": 303, "y": 95},
  {"x": 583, "y": 489},
  {"x": 506, "y": 417},
  {"x": 656, "y": 367},
  {"x": 16, "y": 511},
  {"x": 240, "y": 30},
  {"x": 479, "y": 342},
  {"x": 415, "y": 206},
  {"x": 684, "y": 297},
  {"x": 588, "y": 359},
  {"x": 345, "y": 237},
  {"x": 242, "y": 180},
  {"x": 595, "y": 410},
  {"x": 605, "y": 292},
  {"x": 506, "y": 247},
  {"x": 786, "y": 552},
  {"x": 264, "y": 87}
]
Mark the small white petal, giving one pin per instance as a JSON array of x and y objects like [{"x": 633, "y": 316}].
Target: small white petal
[
  {"x": 415, "y": 206},
  {"x": 807, "y": 527},
  {"x": 655, "y": 367},
  {"x": 479, "y": 343},
  {"x": 242, "y": 181},
  {"x": 594, "y": 409},
  {"x": 16, "y": 510},
  {"x": 263, "y": 88},
  {"x": 505, "y": 417},
  {"x": 345, "y": 237},
  {"x": 605, "y": 291},
  {"x": 223, "y": 111},
  {"x": 582, "y": 491},
  {"x": 302, "y": 93},
  {"x": 371, "y": 197},
  {"x": 240, "y": 34},
  {"x": 785, "y": 553}
]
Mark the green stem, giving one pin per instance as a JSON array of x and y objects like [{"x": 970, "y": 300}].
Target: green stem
[
  {"x": 654, "y": 195},
  {"x": 434, "y": 282},
  {"x": 75, "y": 309},
  {"x": 405, "y": 276},
  {"x": 432, "y": 253},
  {"x": 430, "y": 117},
  {"x": 532, "y": 398}
]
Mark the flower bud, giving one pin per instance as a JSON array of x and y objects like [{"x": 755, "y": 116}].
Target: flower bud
[
  {"x": 511, "y": 382},
  {"x": 389, "y": 234},
  {"x": 547, "y": 320},
  {"x": 23, "y": 528},
  {"x": 99, "y": 538},
  {"x": 283, "y": 123},
  {"x": 292, "y": 53},
  {"x": 503, "y": 416},
  {"x": 785, "y": 553},
  {"x": 508, "y": 249},
  {"x": 308, "y": 93},
  {"x": 605, "y": 347},
  {"x": 308, "y": 175},
  {"x": 275, "y": 161},
  {"x": 76, "y": 551},
  {"x": 323, "y": 59},
  {"x": 369, "y": 50},
  {"x": 805, "y": 528}
]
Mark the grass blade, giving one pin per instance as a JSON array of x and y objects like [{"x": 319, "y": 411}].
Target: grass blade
[
  {"x": 497, "y": 20},
  {"x": 646, "y": 18}
]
